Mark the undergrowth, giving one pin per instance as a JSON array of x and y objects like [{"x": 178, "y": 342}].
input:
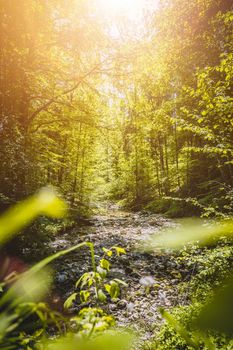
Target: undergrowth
[{"x": 208, "y": 268}]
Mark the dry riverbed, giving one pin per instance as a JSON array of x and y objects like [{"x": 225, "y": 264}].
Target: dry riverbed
[{"x": 137, "y": 306}]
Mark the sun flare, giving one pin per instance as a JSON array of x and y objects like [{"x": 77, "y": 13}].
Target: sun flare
[{"x": 131, "y": 8}]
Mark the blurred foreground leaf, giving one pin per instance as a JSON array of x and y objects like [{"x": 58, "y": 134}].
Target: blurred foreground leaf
[
  {"x": 179, "y": 329},
  {"x": 27, "y": 288},
  {"x": 113, "y": 341},
  {"x": 190, "y": 232},
  {"x": 18, "y": 303},
  {"x": 23, "y": 318},
  {"x": 217, "y": 314},
  {"x": 45, "y": 202}
]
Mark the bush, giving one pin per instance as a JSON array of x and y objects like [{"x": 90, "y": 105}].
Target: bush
[{"x": 172, "y": 207}]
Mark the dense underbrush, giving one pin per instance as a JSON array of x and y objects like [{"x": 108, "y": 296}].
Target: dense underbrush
[{"x": 208, "y": 268}]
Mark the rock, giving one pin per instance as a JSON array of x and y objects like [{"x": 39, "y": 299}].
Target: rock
[
  {"x": 117, "y": 273},
  {"x": 112, "y": 307},
  {"x": 162, "y": 296},
  {"x": 130, "y": 307},
  {"x": 147, "y": 281},
  {"x": 62, "y": 277},
  {"x": 128, "y": 270},
  {"x": 122, "y": 304}
]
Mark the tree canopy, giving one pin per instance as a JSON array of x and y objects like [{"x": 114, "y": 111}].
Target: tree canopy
[{"x": 117, "y": 105}]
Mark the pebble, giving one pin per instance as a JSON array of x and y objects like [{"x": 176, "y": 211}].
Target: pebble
[{"x": 122, "y": 304}]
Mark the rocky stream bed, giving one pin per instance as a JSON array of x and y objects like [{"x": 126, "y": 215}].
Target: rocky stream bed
[{"x": 137, "y": 306}]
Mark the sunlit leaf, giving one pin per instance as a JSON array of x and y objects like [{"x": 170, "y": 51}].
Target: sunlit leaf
[
  {"x": 180, "y": 329},
  {"x": 107, "y": 251},
  {"x": 102, "y": 272},
  {"x": 113, "y": 341},
  {"x": 84, "y": 296},
  {"x": 101, "y": 296},
  {"x": 190, "y": 232},
  {"x": 120, "y": 282},
  {"x": 217, "y": 313},
  {"x": 29, "y": 287},
  {"x": 69, "y": 301},
  {"x": 44, "y": 202},
  {"x": 105, "y": 264},
  {"x": 119, "y": 250}
]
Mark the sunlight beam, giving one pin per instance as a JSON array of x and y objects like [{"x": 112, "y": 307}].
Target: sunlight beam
[{"x": 130, "y": 8}]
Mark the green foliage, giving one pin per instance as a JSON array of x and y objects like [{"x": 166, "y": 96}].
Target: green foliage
[
  {"x": 142, "y": 118},
  {"x": 44, "y": 203},
  {"x": 214, "y": 313},
  {"x": 180, "y": 329},
  {"x": 115, "y": 341},
  {"x": 192, "y": 231},
  {"x": 173, "y": 207},
  {"x": 24, "y": 319},
  {"x": 95, "y": 284},
  {"x": 69, "y": 301},
  {"x": 178, "y": 333},
  {"x": 91, "y": 321},
  {"x": 164, "y": 128},
  {"x": 113, "y": 289},
  {"x": 210, "y": 267}
]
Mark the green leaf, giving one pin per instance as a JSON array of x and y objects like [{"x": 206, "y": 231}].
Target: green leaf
[
  {"x": 108, "y": 288},
  {"x": 179, "y": 329},
  {"x": 45, "y": 202},
  {"x": 30, "y": 287},
  {"x": 102, "y": 272},
  {"x": 217, "y": 314},
  {"x": 105, "y": 341},
  {"x": 69, "y": 301},
  {"x": 121, "y": 282},
  {"x": 119, "y": 250},
  {"x": 105, "y": 264},
  {"x": 86, "y": 279},
  {"x": 84, "y": 296},
  {"x": 190, "y": 231},
  {"x": 107, "y": 251},
  {"x": 101, "y": 296},
  {"x": 113, "y": 289}
]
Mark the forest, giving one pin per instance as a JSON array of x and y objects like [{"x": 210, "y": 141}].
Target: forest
[{"x": 116, "y": 174}]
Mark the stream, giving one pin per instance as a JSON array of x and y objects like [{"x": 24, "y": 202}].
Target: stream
[{"x": 137, "y": 305}]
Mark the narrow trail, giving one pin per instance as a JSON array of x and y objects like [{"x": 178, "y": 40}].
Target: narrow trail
[{"x": 128, "y": 230}]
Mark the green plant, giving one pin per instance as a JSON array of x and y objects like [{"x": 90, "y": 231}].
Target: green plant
[
  {"x": 92, "y": 321},
  {"x": 24, "y": 319},
  {"x": 94, "y": 284},
  {"x": 214, "y": 315}
]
